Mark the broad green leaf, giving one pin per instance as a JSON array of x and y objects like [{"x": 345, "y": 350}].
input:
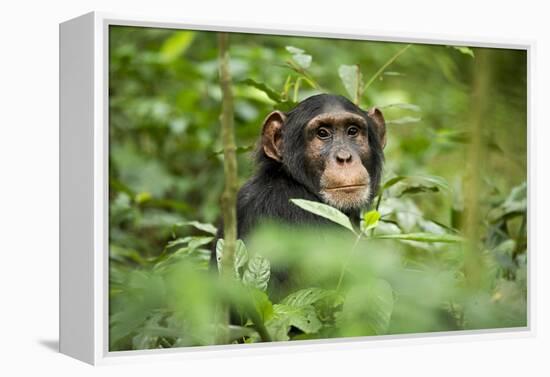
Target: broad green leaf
[
  {"x": 196, "y": 242},
  {"x": 351, "y": 78},
  {"x": 299, "y": 56},
  {"x": 176, "y": 45},
  {"x": 367, "y": 309},
  {"x": 285, "y": 316},
  {"x": 370, "y": 220},
  {"x": 262, "y": 304},
  {"x": 178, "y": 242},
  {"x": 325, "y": 211},
  {"x": 302, "y": 60},
  {"x": 257, "y": 273},
  {"x": 404, "y": 120},
  {"x": 464, "y": 50},
  {"x": 306, "y": 296},
  {"x": 241, "y": 256},
  {"x": 422, "y": 237}
]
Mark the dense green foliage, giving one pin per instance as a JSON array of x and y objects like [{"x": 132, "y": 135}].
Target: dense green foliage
[{"x": 444, "y": 247}]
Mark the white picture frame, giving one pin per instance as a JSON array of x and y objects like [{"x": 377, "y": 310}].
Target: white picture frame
[{"x": 84, "y": 191}]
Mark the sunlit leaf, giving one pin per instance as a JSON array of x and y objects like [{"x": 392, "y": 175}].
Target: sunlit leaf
[
  {"x": 176, "y": 45},
  {"x": 370, "y": 220},
  {"x": 464, "y": 50}
]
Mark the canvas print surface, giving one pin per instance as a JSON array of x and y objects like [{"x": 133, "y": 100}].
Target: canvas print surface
[{"x": 268, "y": 188}]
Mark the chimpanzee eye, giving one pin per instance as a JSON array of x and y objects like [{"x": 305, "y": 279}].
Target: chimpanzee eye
[
  {"x": 323, "y": 133},
  {"x": 353, "y": 131}
]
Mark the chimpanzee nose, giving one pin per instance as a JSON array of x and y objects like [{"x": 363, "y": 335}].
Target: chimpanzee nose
[{"x": 343, "y": 156}]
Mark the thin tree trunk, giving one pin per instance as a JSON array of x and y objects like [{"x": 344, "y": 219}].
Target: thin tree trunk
[
  {"x": 473, "y": 262},
  {"x": 229, "y": 196}
]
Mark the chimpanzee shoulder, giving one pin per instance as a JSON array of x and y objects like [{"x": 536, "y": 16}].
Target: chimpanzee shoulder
[{"x": 266, "y": 196}]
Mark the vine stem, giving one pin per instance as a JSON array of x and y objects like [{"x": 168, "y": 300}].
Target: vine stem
[
  {"x": 348, "y": 259},
  {"x": 386, "y": 65}
]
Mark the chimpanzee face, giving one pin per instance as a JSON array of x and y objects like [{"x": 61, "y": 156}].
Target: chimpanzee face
[{"x": 330, "y": 146}]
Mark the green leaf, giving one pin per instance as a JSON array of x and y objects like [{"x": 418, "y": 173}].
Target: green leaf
[
  {"x": 257, "y": 273},
  {"x": 351, "y": 78},
  {"x": 219, "y": 254},
  {"x": 285, "y": 316},
  {"x": 262, "y": 304},
  {"x": 422, "y": 237},
  {"x": 392, "y": 181},
  {"x": 370, "y": 220},
  {"x": 294, "y": 50},
  {"x": 302, "y": 60},
  {"x": 306, "y": 296},
  {"x": 239, "y": 150},
  {"x": 367, "y": 309},
  {"x": 241, "y": 257},
  {"x": 176, "y": 45},
  {"x": 464, "y": 50},
  {"x": 417, "y": 184},
  {"x": 271, "y": 93},
  {"x": 392, "y": 73},
  {"x": 325, "y": 211},
  {"x": 404, "y": 106},
  {"x": 208, "y": 228},
  {"x": 299, "y": 56},
  {"x": 404, "y": 120}
]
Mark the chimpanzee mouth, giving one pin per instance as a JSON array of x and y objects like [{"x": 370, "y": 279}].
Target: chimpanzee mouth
[
  {"x": 346, "y": 188},
  {"x": 347, "y": 196}
]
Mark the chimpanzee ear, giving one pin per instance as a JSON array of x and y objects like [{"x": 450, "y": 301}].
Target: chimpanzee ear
[
  {"x": 380, "y": 124},
  {"x": 272, "y": 135}
]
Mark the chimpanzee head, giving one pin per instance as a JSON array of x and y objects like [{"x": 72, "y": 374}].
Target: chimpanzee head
[{"x": 330, "y": 146}]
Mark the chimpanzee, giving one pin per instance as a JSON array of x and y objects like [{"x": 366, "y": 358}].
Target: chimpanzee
[{"x": 326, "y": 149}]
